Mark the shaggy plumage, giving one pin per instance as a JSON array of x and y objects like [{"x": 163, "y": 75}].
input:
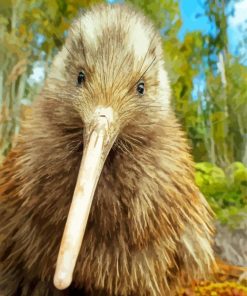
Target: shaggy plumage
[{"x": 149, "y": 226}]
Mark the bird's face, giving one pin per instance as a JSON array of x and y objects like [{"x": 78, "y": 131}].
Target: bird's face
[{"x": 111, "y": 73}]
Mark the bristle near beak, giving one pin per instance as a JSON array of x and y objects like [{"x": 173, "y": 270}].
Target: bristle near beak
[{"x": 101, "y": 137}]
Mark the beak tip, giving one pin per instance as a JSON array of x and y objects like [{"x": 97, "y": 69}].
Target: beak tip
[{"x": 62, "y": 281}]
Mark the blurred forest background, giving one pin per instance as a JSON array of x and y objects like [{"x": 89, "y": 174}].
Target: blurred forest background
[{"x": 209, "y": 84}]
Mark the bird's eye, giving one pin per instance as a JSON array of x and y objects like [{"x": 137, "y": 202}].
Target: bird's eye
[
  {"x": 81, "y": 78},
  {"x": 140, "y": 88}
]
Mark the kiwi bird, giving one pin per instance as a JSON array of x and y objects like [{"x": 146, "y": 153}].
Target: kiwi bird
[{"x": 98, "y": 195}]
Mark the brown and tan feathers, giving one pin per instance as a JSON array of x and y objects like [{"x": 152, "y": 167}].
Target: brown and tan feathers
[{"x": 148, "y": 224}]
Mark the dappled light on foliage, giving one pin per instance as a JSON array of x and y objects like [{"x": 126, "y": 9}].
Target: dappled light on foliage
[
  {"x": 226, "y": 190},
  {"x": 227, "y": 280},
  {"x": 216, "y": 289}
]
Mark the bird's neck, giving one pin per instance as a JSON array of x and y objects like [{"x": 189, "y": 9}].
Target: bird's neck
[{"x": 129, "y": 192}]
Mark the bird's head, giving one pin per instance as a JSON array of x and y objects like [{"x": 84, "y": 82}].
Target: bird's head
[
  {"x": 111, "y": 72},
  {"x": 110, "y": 85}
]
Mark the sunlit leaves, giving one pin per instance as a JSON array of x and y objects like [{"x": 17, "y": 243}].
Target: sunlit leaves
[
  {"x": 215, "y": 289},
  {"x": 30, "y": 31},
  {"x": 226, "y": 190}
]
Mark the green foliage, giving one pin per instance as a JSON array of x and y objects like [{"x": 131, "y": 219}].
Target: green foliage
[
  {"x": 214, "y": 117},
  {"x": 224, "y": 99},
  {"x": 226, "y": 191},
  {"x": 31, "y": 31},
  {"x": 164, "y": 13}
]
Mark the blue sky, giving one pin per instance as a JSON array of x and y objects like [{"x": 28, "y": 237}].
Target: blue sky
[
  {"x": 193, "y": 19},
  {"x": 192, "y": 13},
  {"x": 192, "y": 16}
]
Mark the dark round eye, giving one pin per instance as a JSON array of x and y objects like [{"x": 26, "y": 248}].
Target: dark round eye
[
  {"x": 140, "y": 88},
  {"x": 81, "y": 78}
]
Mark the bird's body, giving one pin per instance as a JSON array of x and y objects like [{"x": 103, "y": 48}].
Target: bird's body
[{"x": 148, "y": 225}]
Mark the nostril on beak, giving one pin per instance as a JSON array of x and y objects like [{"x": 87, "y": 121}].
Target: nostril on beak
[{"x": 103, "y": 113}]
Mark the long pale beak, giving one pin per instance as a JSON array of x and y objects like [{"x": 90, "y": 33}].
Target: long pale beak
[{"x": 97, "y": 147}]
